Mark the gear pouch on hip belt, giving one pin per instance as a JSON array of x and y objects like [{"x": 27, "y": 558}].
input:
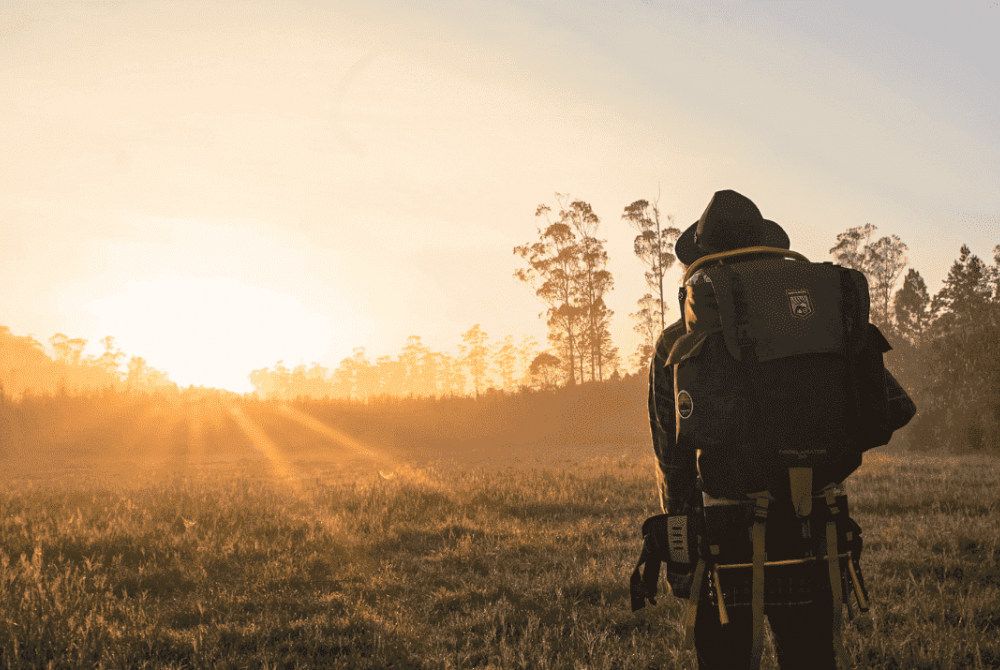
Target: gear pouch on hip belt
[{"x": 672, "y": 540}]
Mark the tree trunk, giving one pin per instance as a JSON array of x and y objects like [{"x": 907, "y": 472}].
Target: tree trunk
[{"x": 659, "y": 267}]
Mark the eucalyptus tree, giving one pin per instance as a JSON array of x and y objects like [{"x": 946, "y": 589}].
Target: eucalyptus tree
[
  {"x": 505, "y": 358},
  {"x": 654, "y": 245},
  {"x": 882, "y": 261},
  {"x": 595, "y": 282},
  {"x": 648, "y": 326},
  {"x": 475, "y": 351},
  {"x": 552, "y": 269}
]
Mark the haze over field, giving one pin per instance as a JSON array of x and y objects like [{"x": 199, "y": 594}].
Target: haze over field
[{"x": 221, "y": 187}]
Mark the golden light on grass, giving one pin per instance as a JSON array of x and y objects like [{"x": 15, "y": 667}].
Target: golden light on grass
[
  {"x": 289, "y": 475},
  {"x": 388, "y": 468},
  {"x": 197, "y": 447},
  {"x": 280, "y": 466}
]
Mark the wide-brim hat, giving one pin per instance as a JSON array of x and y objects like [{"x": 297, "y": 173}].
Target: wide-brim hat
[{"x": 731, "y": 221}]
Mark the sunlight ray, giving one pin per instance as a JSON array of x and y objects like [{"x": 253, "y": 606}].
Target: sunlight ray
[
  {"x": 286, "y": 472},
  {"x": 259, "y": 440},
  {"x": 362, "y": 449},
  {"x": 196, "y": 438}
]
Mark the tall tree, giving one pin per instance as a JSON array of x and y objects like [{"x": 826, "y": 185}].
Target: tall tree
[
  {"x": 418, "y": 365},
  {"x": 966, "y": 294},
  {"x": 850, "y": 250},
  {"x": 142, "y": 377},
  {"x": 553, "y": 268},
  {"x": 505, "y": 356},
  {"x": 543, "y": 371},
  {"x": 654, "y": 245},
  {"x": 912, "y": 307},
  {"x": 648, "y": 325},
  {"x": 961, "y": 365},
  {"x": 594, "y": 281},
  {"x": 886, "y": 260},
  {"x": 881, "y": 260},
  {"x": 452, "y": 377},
  {"x": 68, "y": 350},
  {"x": 475, "y": 352},
  {"x": 110, "y": 360},
  {"x": 391, "y": 377}
]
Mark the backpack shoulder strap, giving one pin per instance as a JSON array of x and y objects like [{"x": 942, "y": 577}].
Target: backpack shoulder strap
[
  {"x": 744, "y": 251},
  {"x": 668, "y": 338}
]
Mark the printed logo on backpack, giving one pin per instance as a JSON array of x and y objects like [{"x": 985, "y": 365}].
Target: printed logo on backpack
[{"x": 800, "y": 304}]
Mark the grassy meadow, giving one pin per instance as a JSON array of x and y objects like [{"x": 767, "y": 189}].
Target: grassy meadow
[{"x": 254, "y": 535}]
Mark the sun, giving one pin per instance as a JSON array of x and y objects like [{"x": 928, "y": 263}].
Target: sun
[{"x": 211, "y": 331}]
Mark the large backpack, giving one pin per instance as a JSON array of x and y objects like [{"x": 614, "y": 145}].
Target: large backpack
[{"x": 779, "y": 380}]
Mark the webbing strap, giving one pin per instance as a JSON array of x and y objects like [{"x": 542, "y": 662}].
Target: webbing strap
[
  {"x": 723, "y": 612},
  {"x": 757, "y": 534},
  {"x": 836, "y": 590},
  {"x": 800, "y": 482},
  {"x": 859, "y": 591},
  {"x": 741, "y": 320},
  {"x": 693, "y": 599}
]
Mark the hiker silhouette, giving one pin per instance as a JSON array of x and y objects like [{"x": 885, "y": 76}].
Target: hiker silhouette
[{"x": 762, "y": 399}]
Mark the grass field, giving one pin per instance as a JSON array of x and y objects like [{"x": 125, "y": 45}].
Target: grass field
[{"x": 284, "y": 552}]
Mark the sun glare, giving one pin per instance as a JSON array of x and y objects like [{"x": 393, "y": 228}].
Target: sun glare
[{"x": 212, "y": 331}]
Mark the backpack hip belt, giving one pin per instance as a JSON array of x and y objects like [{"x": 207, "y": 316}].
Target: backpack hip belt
[{"x": 788, "y": 580}]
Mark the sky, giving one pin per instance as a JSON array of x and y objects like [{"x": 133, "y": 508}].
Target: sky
[{"x": 225, "y": 185}]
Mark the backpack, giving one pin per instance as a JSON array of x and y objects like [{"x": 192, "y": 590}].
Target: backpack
[{"x": 779, "y": 379}]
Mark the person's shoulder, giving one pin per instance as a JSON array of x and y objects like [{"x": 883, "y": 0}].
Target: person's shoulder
[
  {"x": 669, "y": 336},
  {"x": 674, "y": 330}
]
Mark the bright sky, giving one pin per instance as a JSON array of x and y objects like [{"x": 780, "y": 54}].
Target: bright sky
[{"x": 222, "y": 185}]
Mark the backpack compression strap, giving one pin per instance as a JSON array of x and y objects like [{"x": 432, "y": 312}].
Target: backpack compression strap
[
  {"x": 757, "y": 534},
  {"x": 743, "y": 251},
  {"x": 833, "y": 566},
  {"x": 800, "y": 483},
  {"x": 694, "y": 598}
]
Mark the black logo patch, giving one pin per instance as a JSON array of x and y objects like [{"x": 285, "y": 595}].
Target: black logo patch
[
  {"x": 800, "y": 304},
  {"x": 685, "y": 404}
]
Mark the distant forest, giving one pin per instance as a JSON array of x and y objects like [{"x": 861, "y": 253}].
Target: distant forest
[
  {"x": 944, "y": 342},
  {"x": 28, "y": 367}
]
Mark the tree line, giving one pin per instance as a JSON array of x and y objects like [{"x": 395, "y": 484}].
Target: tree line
[
  {"x": 28, "y": 368},
  {"x": 481, "y": 365},
  {"x": 945, "y": 343}
]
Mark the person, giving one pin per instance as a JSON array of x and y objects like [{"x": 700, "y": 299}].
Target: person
[{"x": 800, "y": 607}]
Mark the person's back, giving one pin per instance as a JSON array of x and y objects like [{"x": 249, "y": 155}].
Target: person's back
[{"x": 762, "y": 398}]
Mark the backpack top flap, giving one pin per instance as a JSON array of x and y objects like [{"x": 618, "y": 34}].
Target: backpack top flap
[{"x": 776, "y": 308}]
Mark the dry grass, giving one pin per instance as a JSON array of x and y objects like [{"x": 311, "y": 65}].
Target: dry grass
[{"x": 282, "y": 556}]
